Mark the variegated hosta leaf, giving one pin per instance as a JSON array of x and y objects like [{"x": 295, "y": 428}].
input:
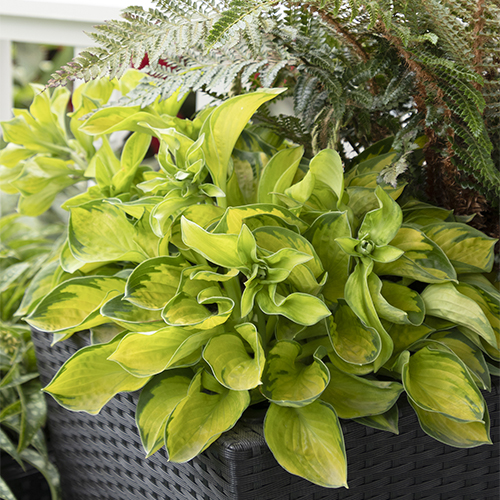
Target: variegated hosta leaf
[
  {"x": 100, "y": 232},
  {"x": 373, "y": 164},
  {"x": 132, "y": 317},
  {"x": 357, "y": 295},
  {"x": 439, "y": 382},
  {"x": 382, "y": 224},
  {"x": 422, "y": 214},
  {"x": 88, "y": 380},
  {"x": 387, "y": 421},
  {"x": 74, "y": 305},
  {"x": 453, "y": 432},
  {"x": 228, "y": 356},
  {"x": 154, "y": 282},
  {"x": 468, "y": 352},
  {"x": 158, "y": 399},
  {"x": 208, "y": 410},
  {"x": 288, "y": 382},
  {"x": 308, "y": 442},
  {"x": 322, "y": 235},
  {"x": 396, "y": 303},
  {"x": 404, "y": 335},
  {"x": 164, "y": 214},
  {"x": 445, "y": 301},
  {"x": 148, "y": 354},
  {"x": 423, "y": 260},
  {"x": 469, "y": 250},
  {"x": 353, "y": 341},
  {"x": 353, "y": 397},
  {"x": 363, "y": 199}
]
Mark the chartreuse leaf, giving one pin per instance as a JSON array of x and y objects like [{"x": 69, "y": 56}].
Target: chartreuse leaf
[
  {"x": 308, "y": 442},
  {"x": 88, "y": 380},
  {"x": 357, "y": 295},
  {"x": 422, "y": 214},
  {"x": 132, "y": 317},
  {"x": 387, "y": 421},
  {"x": 452, "y": 432},
  {"x": 353, "y": 341},
  {"x": 322, "y": 235},
  {"x": 288, "y": 382},
  {"x": 148, "y": 354},
  {"x": 34, "y": 412},
  {"x": 154, "y": 282},
  {"x": 223, "y": 127},
  {"x": 438, "y": 381},
  {"x": 362, "y": 199},
  {"x": 404, "y": 335},
  {"x": 396, "y": 303},
  {"x": 278, "y": 174},
  {"x": 469, "y": 250},
  {"x": 230, "y": 361},
  {"x": 158, "y": 399},
  {"x": 208, "y": 410},
  {"x": 423, "y": 260},
  {"x": 100, "y": 232},
  {"x": 74, "y": 304},
  {"x": 352, "y": 396},
  {"x": 468, "y": 352},
  {"x": 444, "y": 301}
]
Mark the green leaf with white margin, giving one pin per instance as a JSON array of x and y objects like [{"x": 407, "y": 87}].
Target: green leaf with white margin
[
  {"x": 223, "y": 127},
  {"x": 230, "y": 360},
  {"x": 48, "y": 469},
  {"x": 100, "y": 232},
  {"x": 278, "y": 174},
  {"x": 154, "y": 282},
  {"x": 439, "y": 382},
  {"x": 132, "y": 317},
  {"x": 308, "y": 442},
  {"x": 423, "y": 260},
  {"x": 444, "y": 301},
  {"x": 396, "y": 303},
  {"x": 452, "y": 432},
  {"x": 354, "y": 342},
  {"x": 74, "y": 304},
  {"x": 222, "y": 249},
  {"x": 148, "y": 354},
  {"x": 202, "y": 416},
  {"x": 157, "y": 401},
  {"x": 382, "y": 224},
  {"x": 353, "y": 397},
  {"x": 34, "y": 412},
  {"x": 287, "y": 382},
  {"x": 387, "y": 421},
  {"x": 469, "y": 250},
  {"x": 322, "y": 234},
  {"x": 468, "y": 352},
  {"x": 357, "y": 295},
  {"x": 88, "y": 380}
]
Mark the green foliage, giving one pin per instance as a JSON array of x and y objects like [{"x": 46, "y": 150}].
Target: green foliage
[{"x": 231, "y": 270}]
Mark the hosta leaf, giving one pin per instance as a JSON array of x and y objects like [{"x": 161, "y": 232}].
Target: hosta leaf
[
  {"x": 132, "y": 317},
  {"x": 154, "y": 282},
  {"x": 387, "y": 421},
  {"x": 100, "y": 232},
  {"x": 308, "y": 442},
  {"x": 439, "y": 382},
  {"x": 148, "y": 354},
  {"x": 469, "y": 250},
  {"x": 322, "y": 236},
  {"x": 88, "y": 380},
  {"x": 363, "y": 199},
  {"x": 232, "y": 365},
  {"x": 445, "y": 301},
  {"x": 158, "y": 399},
  {"x": 163, "y": 215},
  {"x": 352, "y": 341},
  {"x": 452, "y": 432},
  {"x": 202, "y": 416},
  {"x": 74, "y": 304},
  {"x": 423, "y": 260},
  {"x": 352, "y": 396},
  {"x": 288, "y": 382},
  {"x": 404, "y": 335}
]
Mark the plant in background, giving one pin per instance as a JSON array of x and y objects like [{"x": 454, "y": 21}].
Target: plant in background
[{"x": 234, "y": 270}]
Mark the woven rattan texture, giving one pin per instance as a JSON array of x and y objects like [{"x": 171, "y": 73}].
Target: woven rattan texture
[{"x": 100, "y": 458}]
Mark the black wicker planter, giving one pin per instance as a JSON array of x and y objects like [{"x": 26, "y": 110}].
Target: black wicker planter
[{"x": 101, "y": 458}]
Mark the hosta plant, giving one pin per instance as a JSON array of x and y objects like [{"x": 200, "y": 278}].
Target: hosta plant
[{"x": 232, "y": 270}]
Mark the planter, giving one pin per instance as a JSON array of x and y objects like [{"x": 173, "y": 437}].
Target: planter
[{"x": 101, "y": 457}]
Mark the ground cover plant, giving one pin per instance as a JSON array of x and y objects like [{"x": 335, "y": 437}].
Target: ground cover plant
[{"x": 235, "y": 269}]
